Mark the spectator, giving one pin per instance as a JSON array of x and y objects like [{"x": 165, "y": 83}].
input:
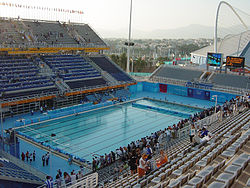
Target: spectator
[
  {"x": 163, "y": 159},
  {"x": 73, "y": 177},
  {"x": 204, "y": 132},
  {"x": 192, "y": 133},
  {"x": 59, "y": 172},
  {"x": 149, "y": 150},
  {"x": 94, "y": 165},
  {"x": 49, "y": 182},
  {"x": 133, "y": 162},
  {"x": 81, "y": 169},
  {"x": 80, "y": 175},
  {"x": 58, "y": 181},
  {"x": 150, "y": 164},
  {"x": 142, "y": 166},
  {"x": 67, "y": 178}
]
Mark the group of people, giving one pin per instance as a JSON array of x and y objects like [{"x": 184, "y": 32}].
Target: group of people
[
  {"x": 146, "y": 163},
  {"x": 199, "y": 135},
  {"x": 139, "y": 150},
  {"x": 29, "y": 156},
  {"x": 63, "y": 179},
  {"x": 45, "y": 159}
]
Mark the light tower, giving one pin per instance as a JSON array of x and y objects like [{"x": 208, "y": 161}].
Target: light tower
[{"x": 129, "y": 37}]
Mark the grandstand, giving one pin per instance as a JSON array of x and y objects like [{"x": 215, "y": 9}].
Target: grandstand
[
  {"x": 44, "y": 65},
  {"x": 177, "y": 73},
  {"x": 222, "y": 163},
  {"x": 60, "y": 94},
  {"x": 37, "y": 33},
  {"x": 193, "y": 77}
]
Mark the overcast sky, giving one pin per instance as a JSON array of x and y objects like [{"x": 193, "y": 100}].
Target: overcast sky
[{"x": 147, "y": 14}]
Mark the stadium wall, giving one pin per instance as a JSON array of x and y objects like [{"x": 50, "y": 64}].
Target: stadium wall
[{"x": 180, "y": 90}]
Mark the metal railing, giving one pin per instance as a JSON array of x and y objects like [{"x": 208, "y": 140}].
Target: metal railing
[
  {"x": 23, "y": 165},
  {"x": 47, "y": 45},
  {"x": 179, "y": 135},
  {"x": 220, "y": 88},
  {"x": 168, "y": 81},
  {"x": 88, "y": 181}
]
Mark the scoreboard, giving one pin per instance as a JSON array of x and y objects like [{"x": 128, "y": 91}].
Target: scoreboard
[
  {"x": 232, "y": 62},
  {"x": 214, "y": 59}
]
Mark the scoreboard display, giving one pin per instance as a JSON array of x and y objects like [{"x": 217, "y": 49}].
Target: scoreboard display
[
  {"x": 214, "y": 59},
  {"x": 232, "y": 62}
]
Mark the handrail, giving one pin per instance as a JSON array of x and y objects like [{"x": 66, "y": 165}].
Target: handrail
[
  {"x": 90, "y": 180},
  {"x": 46, "y": 45},
  {"x": 221, "y": 88},
  {"x": 23, "y": 165}
]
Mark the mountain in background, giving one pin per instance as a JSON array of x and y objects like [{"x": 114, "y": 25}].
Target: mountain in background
[{"x": 191, "y": 31}]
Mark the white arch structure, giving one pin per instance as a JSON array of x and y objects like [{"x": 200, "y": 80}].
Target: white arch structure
[{"x": 216, "y": 22}]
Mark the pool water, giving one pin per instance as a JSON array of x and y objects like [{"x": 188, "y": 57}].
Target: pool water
[{"x": 104, "y": 130}]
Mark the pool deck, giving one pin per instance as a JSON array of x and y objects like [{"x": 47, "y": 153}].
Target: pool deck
[{"x": 56, "y": 162}]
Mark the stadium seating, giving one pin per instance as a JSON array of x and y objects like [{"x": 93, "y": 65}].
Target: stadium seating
[
  {"x": 210, "y": 165},
  {"x": 71, "y": 67},
  {"x": 10, "y": 33},
  {"x": 231, "y": 80},
  {"x": 38, "y": 92},
  {"x": 87, "y": 34},
  {"x": 22, "y": 77},
  {"x": 21, "y": 74},
  {"x": 85, "y": 84},
  {"x": 49, "y": 32},
  {"x": 105, "y": 64},
  {"x": 7, "y": 168},
  {"x": 179, "y": 73},
  {"x": 121, "y": 93}
]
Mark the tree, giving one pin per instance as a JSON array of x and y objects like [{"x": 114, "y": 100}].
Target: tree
[
  {"x": 123, "y": 61},
  {"x": 120, "y": 60},
  {"x": 139, "y": 65}
]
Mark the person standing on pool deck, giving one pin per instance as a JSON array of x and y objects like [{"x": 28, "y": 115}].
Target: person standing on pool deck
[
  {"x": 23, "y": 156},
  {"x": 34, "y": 155},
  {"x": 27, "y": 156},
  {"x": 43, "y": 159},
  {"x": 47, "y": 158}
]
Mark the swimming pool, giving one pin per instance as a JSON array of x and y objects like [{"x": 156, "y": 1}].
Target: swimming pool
[{"x": 104, "y": 130}]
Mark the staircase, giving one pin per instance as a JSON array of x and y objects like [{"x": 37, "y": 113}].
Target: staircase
[
  {"x": 108, "y": 77},
  {"x": 61, "y": 85},
  {"x": 44, "y": 69},
  {"x": 73, "y": 33},
  {"x": 26, "y": 32},
  {"x": 210, "y": 76},
  {"x": 157, "y": 70}
]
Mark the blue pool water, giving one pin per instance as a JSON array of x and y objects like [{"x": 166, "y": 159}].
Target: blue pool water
[{"x": 100, "y": 131}]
